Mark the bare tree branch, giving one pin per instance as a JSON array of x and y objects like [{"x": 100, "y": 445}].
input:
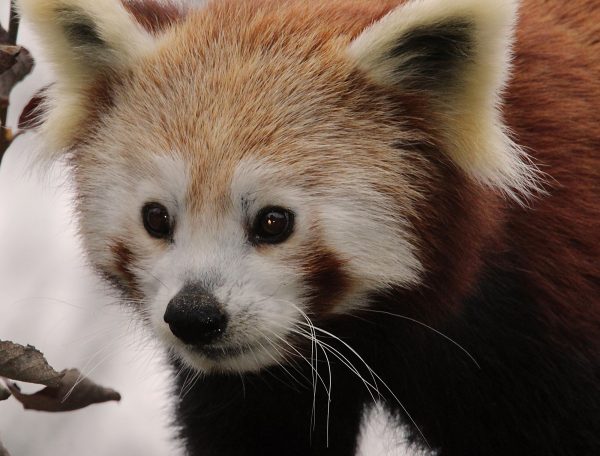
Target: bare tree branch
[
  {"x": 15, "y": 63},
  {"x": 13, "y": 24}
]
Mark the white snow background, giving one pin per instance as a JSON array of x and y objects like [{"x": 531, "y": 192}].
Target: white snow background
[{"x": 49, "y": 298}]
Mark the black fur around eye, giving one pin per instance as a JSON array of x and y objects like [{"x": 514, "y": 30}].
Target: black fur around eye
[
  {"x": 272, "y": 225},
  {"x": 157, "y": 220}
]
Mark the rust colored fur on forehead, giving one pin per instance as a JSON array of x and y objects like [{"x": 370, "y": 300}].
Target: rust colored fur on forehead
[
  {"x": 272, "y": 19},
  {"x": 302, "y": 40},
  {"x": 155, "y": 17}
]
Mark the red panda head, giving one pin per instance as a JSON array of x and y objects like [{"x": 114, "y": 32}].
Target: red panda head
[{"x": 250, "y": 166}]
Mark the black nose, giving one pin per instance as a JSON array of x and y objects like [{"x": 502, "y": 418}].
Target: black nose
[{"x": 195, "y": 316}]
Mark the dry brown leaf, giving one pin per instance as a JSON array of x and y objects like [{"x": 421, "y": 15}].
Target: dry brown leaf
[
  {"x": 8, "y": 56},
  {"x": 15, "y": 63},
  {"x": 4, "y": 393},
  {"x": 74, "y": 392},
  {"x": 26, "y": 364}
]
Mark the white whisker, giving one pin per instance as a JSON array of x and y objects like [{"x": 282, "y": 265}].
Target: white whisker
[
  {"x": 430, "y": 328},
  {"x": 374, "y": 374},
  {"x": 279, "y": 363}
]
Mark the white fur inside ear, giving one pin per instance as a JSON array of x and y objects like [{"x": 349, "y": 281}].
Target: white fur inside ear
[
  {"x": 82, "y": 39},
  {"x": 468, "y": 108}
]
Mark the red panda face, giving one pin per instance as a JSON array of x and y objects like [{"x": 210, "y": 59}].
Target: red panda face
[
  {"x": 244, "y": 206},
  {"x": 248, "y": 170}
]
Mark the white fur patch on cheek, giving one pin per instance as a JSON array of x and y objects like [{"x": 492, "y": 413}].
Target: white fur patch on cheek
[{"x": 368, "y": 232}]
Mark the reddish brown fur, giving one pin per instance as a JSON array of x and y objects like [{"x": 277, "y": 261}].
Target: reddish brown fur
[
  {"x": 267, "y": 28},
  {"x": 454, "y": 230},
  {"x": 325, "y": 276},
  {"x": 556, "y": 238},
  {"x": 123, "y": 261},
  {"x": 152, "y": 15},
  {"x": 559, "y": 238},
  {"x": 100, "y": 98}
]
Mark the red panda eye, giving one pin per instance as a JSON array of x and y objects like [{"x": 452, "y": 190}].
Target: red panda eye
[
  {"x": 157, "y": 221},
  {"x": 273, "y": 225}
]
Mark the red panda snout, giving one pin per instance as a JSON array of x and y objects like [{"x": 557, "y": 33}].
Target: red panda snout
[{"x": 195, "y": 316}]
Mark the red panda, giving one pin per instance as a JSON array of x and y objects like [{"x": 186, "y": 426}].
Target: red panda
[{"x": 316, "y": 206}]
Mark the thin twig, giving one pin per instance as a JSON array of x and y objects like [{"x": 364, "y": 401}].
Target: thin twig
[
  {"x": 13, "y": 24},
  {"x": 9, "y": 39}
]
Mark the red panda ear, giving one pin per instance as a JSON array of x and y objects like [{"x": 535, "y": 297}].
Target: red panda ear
[
  {"x": 457, "y": 54},
  {"x": 85, "y": 41}
]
